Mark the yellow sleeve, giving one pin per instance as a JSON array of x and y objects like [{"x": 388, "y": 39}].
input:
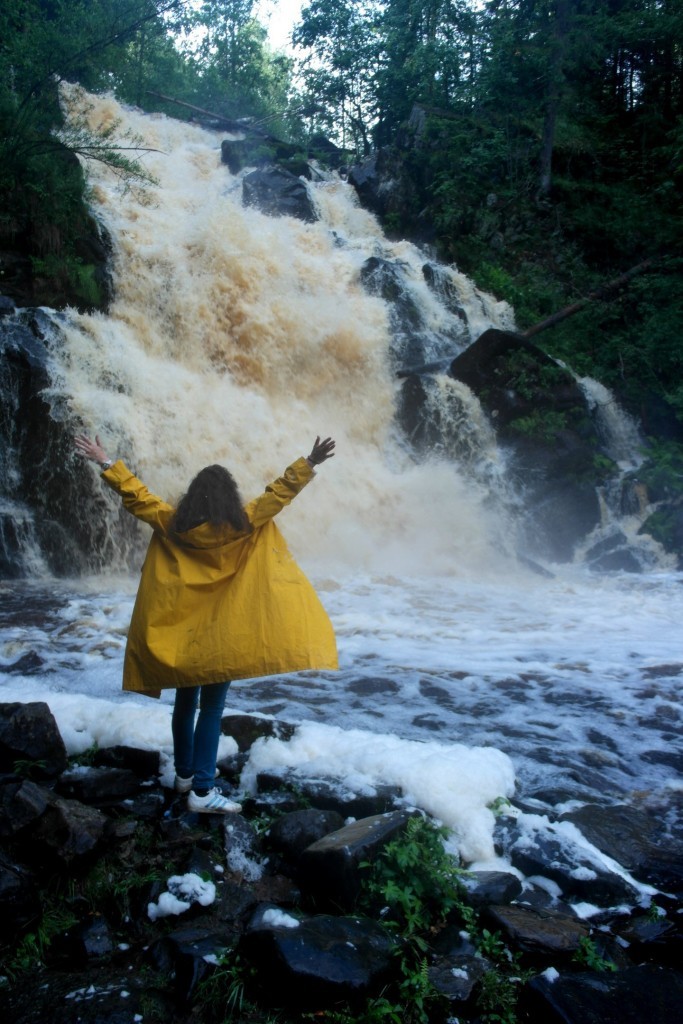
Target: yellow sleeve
[
  {"x": 279, "y": 493},
  {"x": 137, "y": 500}
]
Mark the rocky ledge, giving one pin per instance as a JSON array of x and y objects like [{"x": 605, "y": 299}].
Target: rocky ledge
[{"x": 117, "y": 904}]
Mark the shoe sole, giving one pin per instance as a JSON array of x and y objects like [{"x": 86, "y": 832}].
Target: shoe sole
[{"x": 233, "y": 809}]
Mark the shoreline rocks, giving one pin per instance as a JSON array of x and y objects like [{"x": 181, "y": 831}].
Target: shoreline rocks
[{"x": 284, "y": 899}]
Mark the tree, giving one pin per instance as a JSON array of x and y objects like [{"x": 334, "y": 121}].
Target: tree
[
  {"x": 237, "y": 72},
  {"x": 339, "y": 73}
]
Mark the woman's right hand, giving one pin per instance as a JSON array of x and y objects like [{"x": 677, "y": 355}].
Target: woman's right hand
[{"x": 92, "y": 450}]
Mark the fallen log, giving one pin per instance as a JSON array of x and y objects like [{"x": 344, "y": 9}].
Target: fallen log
[{"x": 597, "y": 293}]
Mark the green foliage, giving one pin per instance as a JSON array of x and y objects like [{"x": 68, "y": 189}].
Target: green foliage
[
  {"x": 662, "y": 471},
  {"x": 544, "y": 424},
  {"x": 31, "y": 951},
  {"x": 85, "y": 758},
  {"x": 29, "y": 769},
  {"x": 588, "y": 956},
  {"x": 222, "y": 994},
  {"x": 417, "y": 879}
]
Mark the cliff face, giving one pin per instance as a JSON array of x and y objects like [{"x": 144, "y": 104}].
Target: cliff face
[{"x": 52, "y": 250}]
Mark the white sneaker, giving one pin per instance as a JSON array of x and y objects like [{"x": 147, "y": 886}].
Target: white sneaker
[
  {"x": 213, "y": 803},
  {"x": 182, "y": 785}
]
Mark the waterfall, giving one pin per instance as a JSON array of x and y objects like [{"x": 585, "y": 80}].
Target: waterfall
[
  {"x": 619, "y": 430},
  {"x": 238, "y": 337},
  {"x": 624, "y": 503}
]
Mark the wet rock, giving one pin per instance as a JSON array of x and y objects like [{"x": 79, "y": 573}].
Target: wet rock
[
  {"x": 623, "y": 832},
  {"x": 330, "y": 867},
  {"x": 317, "y": 961},
  {"x": 657, "y": 939},
  {"x": 329, "y": 794},
  {"x": 29, "y": 733},
  {"x": 189, "y": 955},
  {"x": 246, "y": 729},
  {"x": 612, "y": 554},
  {"x": 21, "y": 803},
  {"x": 547, "y": 932},
  {"x": 372, "y": 685},
  {"x": 145, "y": 763},
  {"x": 28, "y": 664},
  {"x": 552, "y": 852},
  {"x": 649, "y": 849},
  {"x": 414, "y": 343},
  {"x": 292, "y": 833},
  {"x": 89, "y": 939},
  {"x": 486, "y": 887},
  {"x": 243, "y": 848},
  {"x": 543, "y": 418},
  {"x": 20, "y": 906},
  {"x": 68, "y": 831},
  {"x": 631, "y": 996},
  {"x": 99, "y": 787},
  {"x": 455, "y": 977},
  {"x": 278, "y": 193}
]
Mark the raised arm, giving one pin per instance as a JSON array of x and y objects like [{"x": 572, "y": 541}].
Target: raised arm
[
  {"x": 280, "y": 492},
  {"x": 137, "y": 499}
]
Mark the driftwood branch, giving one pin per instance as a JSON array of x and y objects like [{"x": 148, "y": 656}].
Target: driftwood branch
[{"x": 598, "y": 293}]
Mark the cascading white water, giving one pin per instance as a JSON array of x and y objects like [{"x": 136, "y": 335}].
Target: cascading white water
[
  {"x": 619, "y": 430},
  {"x": 237, "y": 337}
]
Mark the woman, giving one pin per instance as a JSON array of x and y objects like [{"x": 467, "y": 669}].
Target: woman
[{"x": 220, "y": 598}]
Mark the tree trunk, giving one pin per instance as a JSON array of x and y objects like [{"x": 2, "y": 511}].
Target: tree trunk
[
  {"x": 597, "y": 293},
  {"x": 553, "y": 94}
]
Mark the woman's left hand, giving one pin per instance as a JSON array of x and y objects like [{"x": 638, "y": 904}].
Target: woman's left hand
[
  {"x": 92, "y": 450},
  {"x": 322, "y": 451}
]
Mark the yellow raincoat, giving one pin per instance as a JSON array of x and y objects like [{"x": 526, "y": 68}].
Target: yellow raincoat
[{"x": 216, "y": 604}]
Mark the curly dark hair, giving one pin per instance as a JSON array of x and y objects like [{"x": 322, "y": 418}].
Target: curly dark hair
[{"x": 212, "y": 497}]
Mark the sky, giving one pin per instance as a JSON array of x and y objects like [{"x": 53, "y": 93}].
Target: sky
[{"x": 279, "y": 16}]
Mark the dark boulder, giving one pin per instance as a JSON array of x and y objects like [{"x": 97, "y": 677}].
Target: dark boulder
[
  {"x": 328, "y": 794},
  {"x": 639, "y": 842},
  {"x": 550, "y": 851},
  {"x": 22, "y": 803},
  {"x": 631, "y": 996},
  {"x": 486, "y": 887},
  {"x": 309, "y": 962},
  {"x": 542, "y": 417},
  {"x": 90, "y": 939},
  {"x": 278, "y": 193},
  {"x": 414, "y": 342},
  {"x": 189, "y": 956},
  {"x": 68, "y": 833},
  {"x": 145, "y": 763},
  {"x": 246, "y": 729},
  {"x": 98, "y": 787},
  {"x": 549, "y": 931},
  {"x": 52, "y": 515},
  {"x": 29, "y": 733},
  {"x": 20, "y": 906},
  {"x": 330, "y": 868},
  {"x": 292, "y": 833}
]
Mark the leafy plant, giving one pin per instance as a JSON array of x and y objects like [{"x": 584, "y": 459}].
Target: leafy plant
[
  {"x": 28, "y": 769},
  {"x": 544, "y": 424},
  {"x": 588, "y": 956},
  {"x": 222, "y": 994},
  {"x": 31, "y": 952}
]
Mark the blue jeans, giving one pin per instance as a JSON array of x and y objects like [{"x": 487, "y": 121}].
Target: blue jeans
[{"x": 195, "y": 746}]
